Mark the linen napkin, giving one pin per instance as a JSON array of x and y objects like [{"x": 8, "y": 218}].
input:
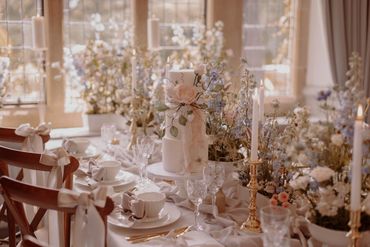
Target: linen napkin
[
  {"x": 70, "y": 146},
  {"x": 134, "y": 205},
  {"x": 225, "y": 228}
]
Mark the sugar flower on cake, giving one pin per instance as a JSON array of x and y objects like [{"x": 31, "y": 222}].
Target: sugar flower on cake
[{"x": 182, "y": 93}]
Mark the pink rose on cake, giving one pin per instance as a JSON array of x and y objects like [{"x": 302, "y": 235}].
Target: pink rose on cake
[{"x": 182, "y": 94}]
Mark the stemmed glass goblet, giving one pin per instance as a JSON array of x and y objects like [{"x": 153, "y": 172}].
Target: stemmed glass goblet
[
  {"x": 214, "y": 176},
  {"x": 197, "y": 191}
]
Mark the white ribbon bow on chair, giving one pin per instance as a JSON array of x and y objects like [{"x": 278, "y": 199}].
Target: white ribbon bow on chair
[
  {"x": 57, "y": 158},
  {"x": 89, "y": 229},
  {"x": 33, "y": 141}
]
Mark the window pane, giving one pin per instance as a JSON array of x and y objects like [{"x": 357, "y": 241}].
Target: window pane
[
  {"x": 267, "y": 32},
  {"x": 78, "y": 30},
  {"x": 184, "y": 13},
  {"x": 23, "y": 83}
]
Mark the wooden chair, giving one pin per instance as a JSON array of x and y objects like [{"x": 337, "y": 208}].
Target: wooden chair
[
  {"x": 16, "y": 193},
  {"x": 8, "y": 135},
  {"x": 20, "y": 159},
  {"x": 30, "y": 241}
]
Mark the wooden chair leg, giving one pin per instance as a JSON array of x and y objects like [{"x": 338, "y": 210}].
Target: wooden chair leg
[{"x": 11, "y": 230}]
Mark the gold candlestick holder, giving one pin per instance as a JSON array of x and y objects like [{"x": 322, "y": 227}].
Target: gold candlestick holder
[
  {"x": 252, "y": 224},
  {"x": 354, "y": 223},
  {"x": 135, "y": 104}
]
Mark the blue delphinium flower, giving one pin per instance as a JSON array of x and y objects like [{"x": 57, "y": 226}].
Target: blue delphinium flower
[{"x": 323, "y": 95}]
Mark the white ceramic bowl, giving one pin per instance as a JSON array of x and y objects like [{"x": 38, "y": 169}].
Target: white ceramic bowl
[
  {"x": 81, "y": 144},
  {"x": 327, "y": 236},
  {"x": 154, "y": 202},
  {"x": 111, "y": 169}
]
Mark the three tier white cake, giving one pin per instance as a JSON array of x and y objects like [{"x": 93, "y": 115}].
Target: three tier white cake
[{"x": 185, "y": 144}]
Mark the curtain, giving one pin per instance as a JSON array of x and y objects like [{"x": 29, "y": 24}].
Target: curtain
[{"x": 347, "y": 28}]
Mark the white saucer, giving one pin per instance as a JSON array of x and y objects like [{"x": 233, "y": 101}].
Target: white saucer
[
  {"x": 90, "y": 153},
  {"x": 123, "y": 179},
  {"x": 171, "y": 215},
  {"x": 160, "y": 216}
]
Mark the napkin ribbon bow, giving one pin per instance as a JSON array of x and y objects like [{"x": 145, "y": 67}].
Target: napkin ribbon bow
[
  {"x": 57, "y": 158},
  {"x": 89, "y": 228},
  {"x": 33, "y": 141},
  {"x": 131, "y": 203}
]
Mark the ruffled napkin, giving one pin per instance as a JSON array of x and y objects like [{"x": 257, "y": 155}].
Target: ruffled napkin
[
  {"x": 224, "y": 227},
  {"x": 89, "y": 227},
  {"x": 132, "y": 204},
  {"x": 70, "y": 146}
]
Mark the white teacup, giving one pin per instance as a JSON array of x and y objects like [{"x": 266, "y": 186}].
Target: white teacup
[
  {"x": 153, "y": 201},
  {"x": 111, "y": 169},
  {"x": 81, "y": 144}
]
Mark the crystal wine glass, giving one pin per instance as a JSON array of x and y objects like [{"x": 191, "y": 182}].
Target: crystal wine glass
[
  {"x": 108, "y": 131},
  {"x": 138, "y": 160},
  {"x": 197, "y": 191},
  {"x": 214, "y": 176},
  {"x": 148, "y": 144},
  {"x": 275, "y": 222}
]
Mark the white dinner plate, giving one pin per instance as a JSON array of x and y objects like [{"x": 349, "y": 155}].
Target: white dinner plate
[
  {"x": 90, "y": 153},
  {"x": 123, "y": 179},
  {"x": 172, "y": 214}
]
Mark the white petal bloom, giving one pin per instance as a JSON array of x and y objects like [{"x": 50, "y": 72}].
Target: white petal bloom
[
  {"x": 300, "y": 182},
  {"x": 321, "y": 174},
  {"x": 337, "y": 139}
]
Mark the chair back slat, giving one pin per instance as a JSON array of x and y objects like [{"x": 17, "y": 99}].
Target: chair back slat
[{"x": 16, "y": 193}]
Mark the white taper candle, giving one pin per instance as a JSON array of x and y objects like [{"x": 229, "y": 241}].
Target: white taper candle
[
  {"x": 153, "y": 33},
  {"x": 261, "y": 102},
  {"x": 357, "y": 161},
  {"x": 38, "y": 32},
  {"x": 255, "y": 118},
  {"x": 133, "y": 72}
]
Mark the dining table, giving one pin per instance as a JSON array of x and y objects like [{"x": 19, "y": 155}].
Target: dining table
[{"x": 222, "y": 230}]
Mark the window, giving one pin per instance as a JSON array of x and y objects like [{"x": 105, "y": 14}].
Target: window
[
  {"x": 86, "y": 20},
  {"x": 268, "y": 30},
  {"x": 176, "y": 15},
  {"x": 23, "y": 83}
]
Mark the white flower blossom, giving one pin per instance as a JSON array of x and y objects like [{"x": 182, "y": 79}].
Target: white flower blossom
[
  {"x": 300, "y": 183},
  {"x": 321, "y": 174},
  {"x": 337, "y": 139}
]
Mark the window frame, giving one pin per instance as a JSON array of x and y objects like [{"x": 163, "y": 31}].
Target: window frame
[{"x": 15, "y": 115}]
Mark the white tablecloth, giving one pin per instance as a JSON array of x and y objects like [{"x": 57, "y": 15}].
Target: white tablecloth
[{"x": 116, "y": 235}]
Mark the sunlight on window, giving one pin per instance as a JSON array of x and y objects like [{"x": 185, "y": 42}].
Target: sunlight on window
[{"x": 268, "y": 28}]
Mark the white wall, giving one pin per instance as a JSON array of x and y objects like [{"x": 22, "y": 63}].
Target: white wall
[{"x": 318, "y": 75}]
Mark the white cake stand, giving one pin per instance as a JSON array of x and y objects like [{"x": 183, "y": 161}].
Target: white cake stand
[{"x": 157, "y": 170}]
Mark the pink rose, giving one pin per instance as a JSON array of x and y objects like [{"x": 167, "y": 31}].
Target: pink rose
[
  {"x": 285, "y": 204},
  {"x": 273, "y": 202},
  {"x": 283, "y": 196},
  {"x": 185, "y": 94}
]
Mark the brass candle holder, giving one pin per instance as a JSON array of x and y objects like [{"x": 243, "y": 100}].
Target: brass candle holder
[
  {"x": 135, "y": 104},
  {"x": 354, "y": 223},
  {"x": 252, "y": 224}
]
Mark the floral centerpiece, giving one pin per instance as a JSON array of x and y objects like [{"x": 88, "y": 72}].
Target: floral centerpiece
[
  {"x": 318, "y": 156},
  {"x": 102, "y": 68},
  {"x": 226, "y": 115}
]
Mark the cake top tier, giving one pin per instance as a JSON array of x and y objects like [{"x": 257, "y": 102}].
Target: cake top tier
[{"x": 185, "y": 76}]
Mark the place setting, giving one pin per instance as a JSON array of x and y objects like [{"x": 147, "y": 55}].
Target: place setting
[
  {"x": 81, "y": 148},
  {"x": 143, "y": 210},
  {"x": 93, "y": 174}
]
